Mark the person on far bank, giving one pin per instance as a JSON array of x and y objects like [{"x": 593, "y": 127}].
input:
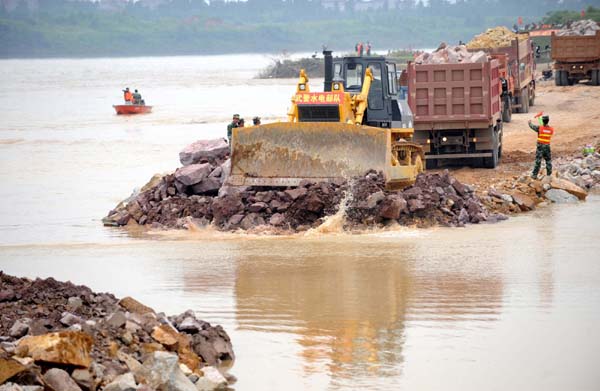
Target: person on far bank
[
  {"x": 256, "y": 121},
  {"x": 542, "y": 150},
  {"x": 234, "y": 124},
  {"x": 368, "y": 48}
]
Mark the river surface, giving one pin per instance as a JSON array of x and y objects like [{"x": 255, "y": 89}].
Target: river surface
[{"x": 510, "y": 306}]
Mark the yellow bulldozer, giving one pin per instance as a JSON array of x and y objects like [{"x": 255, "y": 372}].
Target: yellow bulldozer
[{"x": 355, "y": 125}]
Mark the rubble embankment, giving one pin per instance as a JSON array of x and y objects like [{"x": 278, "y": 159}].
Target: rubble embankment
[
  {"x": 197, "y": 195},
  {"x": 63, "y": 337}
]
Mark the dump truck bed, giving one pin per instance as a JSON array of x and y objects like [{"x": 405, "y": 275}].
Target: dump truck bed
[
  {"x": 576, "y": 48},
  {"x": 519, "y": 52},
  {"x": 454, "y": 96}
]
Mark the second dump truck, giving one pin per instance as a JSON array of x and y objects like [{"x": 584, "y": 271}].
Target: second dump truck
[
  {"x": 517, "y": 75},
  {"x": 457, "y": 111}
]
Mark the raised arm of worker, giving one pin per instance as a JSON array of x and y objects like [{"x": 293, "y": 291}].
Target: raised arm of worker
[{"x": 533, "y": 127}]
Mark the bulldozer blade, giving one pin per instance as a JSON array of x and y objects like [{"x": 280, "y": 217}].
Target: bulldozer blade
[{"x": 284, "y": 154}]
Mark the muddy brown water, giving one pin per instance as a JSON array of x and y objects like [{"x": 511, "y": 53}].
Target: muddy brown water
[{"x": 514, "y": 305}]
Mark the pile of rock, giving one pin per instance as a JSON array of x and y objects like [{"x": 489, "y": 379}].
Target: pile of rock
[
  {"x": 493, "y": 38},
  {"x": 189, "y": 197},
  {"x": 581, "y": 27},
  {"x": 574, "y": 177},
  {"x": 445, "y": 54},
  {"x": 62, "y": 337},
  {"x": 434, "y": 199}
]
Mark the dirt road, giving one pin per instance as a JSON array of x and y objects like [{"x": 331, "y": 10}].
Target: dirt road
[{"x": 575, "y": 115}]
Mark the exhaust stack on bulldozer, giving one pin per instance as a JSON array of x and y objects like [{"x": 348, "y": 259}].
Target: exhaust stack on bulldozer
[{"x": 356, "y": 124}]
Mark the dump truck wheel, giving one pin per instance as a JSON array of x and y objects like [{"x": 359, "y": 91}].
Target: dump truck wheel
[
  {"x": 564, "y": 78},
  {"x": 525, "y": 100},
  {"x": 507, "y": 112},
  {"x": 492, "y": 162},
  {"x": 558, "y": 78},
  {"x": 596, "y": 77}
]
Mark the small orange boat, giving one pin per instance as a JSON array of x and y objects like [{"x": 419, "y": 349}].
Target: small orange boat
[{"x": 132, "y": 109}]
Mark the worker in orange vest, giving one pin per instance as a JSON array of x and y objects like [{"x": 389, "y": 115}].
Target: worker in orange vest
[
  {"x": 127, "y": 95},
  {"x": 542, "y": 150}
]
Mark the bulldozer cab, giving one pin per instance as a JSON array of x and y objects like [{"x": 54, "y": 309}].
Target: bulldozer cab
[{"x": 383, "y": 109}]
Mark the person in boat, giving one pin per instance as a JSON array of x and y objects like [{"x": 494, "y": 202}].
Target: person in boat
[
  {"x": 127, "y": 96},
  {"x": 256, "y": 121},
  {"x": 241, "y": 123},
  {"x": 137, "y": 98}
]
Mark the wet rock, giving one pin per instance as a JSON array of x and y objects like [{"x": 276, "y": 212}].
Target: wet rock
[
  {"x": 252, "y": 220},
  {"x": 235, "y": 220},
  {"x": 212, "y": 380},
  {"x": 189, "y": 325},
  {"x": 296, "y": 193},
  {"x": 561, "y": 184},
  {"x": 204, "y": 151},
  {"x": 415, "y": 205},
  {"x": 19, "y": 329},
  {"x": 375, "y": 199},
  {"x": 59, "y": 380},
  {"x": 64, "y": 347},
  {"x": 225, "y": 207},
  {"x": 463, "y": 216},
  {"x": 277, "y": 219},
  {"x": 193, "y": 174},
  {"x": 125, "y": 382},
  {"x": 392, "y": 207},
  {"x": 560, "y": 196},
  {"x": 208, "y": 185},
  {"x": 524, "y": 202}
]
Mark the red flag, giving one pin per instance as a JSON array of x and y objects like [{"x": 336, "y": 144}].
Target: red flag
[{"x": 520, "y": 20}]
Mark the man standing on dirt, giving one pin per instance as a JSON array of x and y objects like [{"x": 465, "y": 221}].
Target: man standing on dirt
[
  {"x": 233, "y": 124},
  {"x": 545, "y": 133}
]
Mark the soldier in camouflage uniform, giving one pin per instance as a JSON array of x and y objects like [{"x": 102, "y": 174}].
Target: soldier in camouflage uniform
[
  {"x": 542, "y": 151},
  {"x": 233, "y": 124}
]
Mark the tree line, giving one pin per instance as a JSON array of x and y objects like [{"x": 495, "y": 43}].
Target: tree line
[{"x": 147, "y": 27}]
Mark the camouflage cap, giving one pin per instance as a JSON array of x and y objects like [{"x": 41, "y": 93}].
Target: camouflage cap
[{"x": 236, "y": 116}]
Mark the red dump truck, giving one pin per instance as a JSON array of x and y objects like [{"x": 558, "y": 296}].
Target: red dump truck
[
  {"x": 457, "y": 111},
  {"x": 517, "y": 75},
  {"x": 576, "y": 57}
]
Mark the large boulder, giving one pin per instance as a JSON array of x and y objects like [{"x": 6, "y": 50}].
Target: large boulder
[
  {"x": 161, "y": 371},
  {"x": 193, "y": 173},
  {"x": 59, "y": 380},
  {"x": 207, "y": 185},
  {"x": 64, "y": 347},
  {"x": 523, "y": 201},
  {"x": 212, "y": 380},
  {"x": 560, "y": 196},
  {"x": 212, "y": 151},
  {"x": 392, "y": 206},
  {"x": 561, "y": 184}
]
